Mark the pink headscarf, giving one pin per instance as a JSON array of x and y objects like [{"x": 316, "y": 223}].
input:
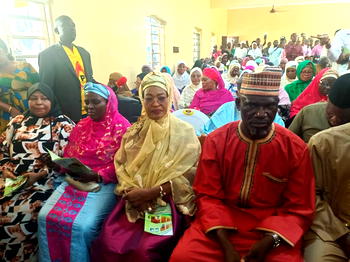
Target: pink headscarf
[
  {"x": 214, "y": 74},
  {"x": 245, "y": 61},
  {"x": 95, "y": 143},
  {"x": 250, "y": 65},
  {"x": 310, "y": 95},
  {"x": 208, "y": 101}
]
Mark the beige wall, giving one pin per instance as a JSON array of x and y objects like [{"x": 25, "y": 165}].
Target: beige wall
[
  {"x": 311, "y": 19},
  {"x": 113, "y": 31},
  {"x": 219, "y": 18},
  {"x": 237, "y": 4}
]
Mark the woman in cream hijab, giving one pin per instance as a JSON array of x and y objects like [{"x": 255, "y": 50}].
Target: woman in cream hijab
[
  {"x": 156, "y": 155},
  {"x": 231, "y": 77},
  {"x": 288, "y": 77},
  {"x": 181, "y": 77},
  {"x": 189, "y": 91}
]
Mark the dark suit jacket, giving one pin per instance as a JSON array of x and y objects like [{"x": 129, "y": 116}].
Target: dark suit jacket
[
  {"x": 130, "y": 108},
  {"x": 56, "y": 70}
]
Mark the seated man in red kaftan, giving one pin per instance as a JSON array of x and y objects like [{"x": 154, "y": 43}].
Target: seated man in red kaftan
[{"x": 254, "y": 186}]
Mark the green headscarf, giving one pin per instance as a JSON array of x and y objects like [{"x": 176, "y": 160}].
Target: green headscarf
[{"x": 295, "y": 88}]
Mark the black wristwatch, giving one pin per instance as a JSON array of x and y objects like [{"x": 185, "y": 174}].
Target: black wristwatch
[{"x": 276, "y": 239}]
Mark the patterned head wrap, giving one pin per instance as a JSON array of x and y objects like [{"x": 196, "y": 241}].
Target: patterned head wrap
[
  {"x": 154, "y": 79},
  {"x": 99, "y": 89},
  {"x": 330, "y": 73},
  {"x": 261, "y": 84}
]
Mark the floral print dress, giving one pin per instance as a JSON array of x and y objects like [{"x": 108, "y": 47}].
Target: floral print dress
[{"x": 23, "y": 144}]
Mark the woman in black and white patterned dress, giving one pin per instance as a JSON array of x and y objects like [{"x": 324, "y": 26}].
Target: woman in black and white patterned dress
[{"x": 22, "y": 148}]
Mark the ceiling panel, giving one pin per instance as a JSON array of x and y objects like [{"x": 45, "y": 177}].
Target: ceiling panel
[{"x": 239, "y": 4}]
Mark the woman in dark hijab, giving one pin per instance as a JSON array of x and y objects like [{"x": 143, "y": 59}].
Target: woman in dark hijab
[{"x": 23, "y": 147}]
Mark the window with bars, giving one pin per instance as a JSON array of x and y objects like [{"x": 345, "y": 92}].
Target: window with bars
[
  {"x": 196, "y": 45},
  {"x": 25, "y": 27},
  {"x": 155, "y": 42}
]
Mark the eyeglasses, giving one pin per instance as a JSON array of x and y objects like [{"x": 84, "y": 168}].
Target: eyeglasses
[
  {"x": 160, "y": 99},
  {"x": 307, "y": 72}
]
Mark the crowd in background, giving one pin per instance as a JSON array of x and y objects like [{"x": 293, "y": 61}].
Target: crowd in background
[{"x": 203, "y": 147}]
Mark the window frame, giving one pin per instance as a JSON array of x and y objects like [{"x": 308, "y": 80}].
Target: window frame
[
  {"x": 196, "y": 40},
  {"x": 154, "y": 24},
  {"x": 11, "y": 37}
]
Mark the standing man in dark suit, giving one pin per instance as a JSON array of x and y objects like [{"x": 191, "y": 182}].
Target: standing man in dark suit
[{"x": 66, "y": 68}]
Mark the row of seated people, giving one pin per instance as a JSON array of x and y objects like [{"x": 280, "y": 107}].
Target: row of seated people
[
  {"x": 213, "y": 94},
  {"x": 200, "y": 91},
  {"x": 302, "y": 84},
  {"x": 309, "y": 91},
  {"x": 253, "y": 194}
]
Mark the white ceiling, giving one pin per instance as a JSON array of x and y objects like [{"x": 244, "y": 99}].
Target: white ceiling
[{"x": 239, "y": 4}]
